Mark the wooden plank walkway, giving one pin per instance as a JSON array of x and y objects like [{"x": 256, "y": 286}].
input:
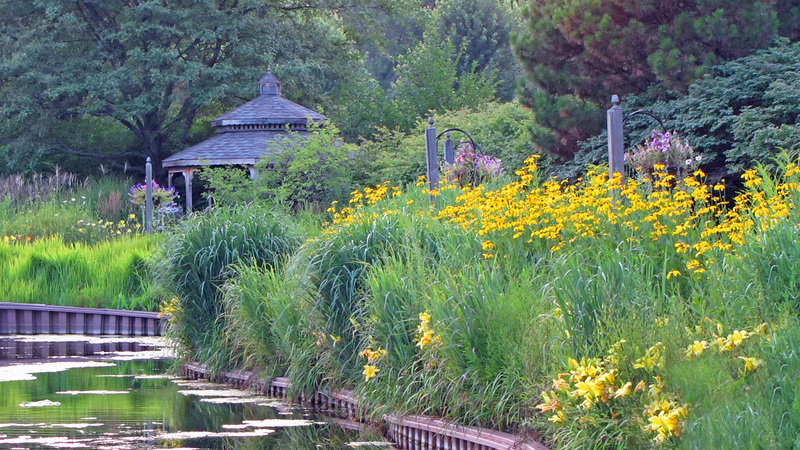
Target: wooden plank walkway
[{"x": 33, "y": 318}]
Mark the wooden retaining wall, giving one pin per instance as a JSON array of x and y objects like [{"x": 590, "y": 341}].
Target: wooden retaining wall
[
  {"x": 31, "y": 318},
  {"x": 408, "y": 433}
]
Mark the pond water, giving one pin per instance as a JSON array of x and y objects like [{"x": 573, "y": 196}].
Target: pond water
[{"x": 121, "y": 403}]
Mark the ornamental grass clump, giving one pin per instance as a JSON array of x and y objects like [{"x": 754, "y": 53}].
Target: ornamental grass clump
[
  {"x": 198, "y": 258},
  {"x": 54, "y": 272}
]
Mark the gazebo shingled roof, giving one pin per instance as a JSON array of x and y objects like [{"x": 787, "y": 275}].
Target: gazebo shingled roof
[{"x": 243, "y": 133}]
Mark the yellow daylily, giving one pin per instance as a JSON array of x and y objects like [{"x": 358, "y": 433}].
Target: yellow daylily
[
  {"x": 370, "y": 372},
  {"x": 624, "y": 391},
  {"x": 696, "y": 349},
  {"x": 751, "y": 364}
]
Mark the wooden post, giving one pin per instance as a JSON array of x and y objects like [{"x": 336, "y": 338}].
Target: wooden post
[
  {"x": 148, "y": 202},
  {"x": 432, "y": 160},
  {"x": 449, "y": 154},
  {"x": 616, "y": 148},
  {"x": 187, "y": 177}
]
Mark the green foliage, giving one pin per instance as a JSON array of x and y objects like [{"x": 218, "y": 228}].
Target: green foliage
[
  {"x": 428, "y": 81},
  {"x": 197, "y": 259},
  {"x": 303, "y": 171},
  {"x": 501, "y": 130},
  {"x": 741, "y": 113},
  {"x": 361, "y": 107},
  {"x": 481, "y": 30},
  {"x": 135, "y": 76},
  {"x": 96, "y": 275},
  {"x": 576, "y": 54},
  {"x": 309, "y": 171}
]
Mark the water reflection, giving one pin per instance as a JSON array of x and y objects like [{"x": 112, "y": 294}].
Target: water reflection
[{"x": 135, "y": 404}]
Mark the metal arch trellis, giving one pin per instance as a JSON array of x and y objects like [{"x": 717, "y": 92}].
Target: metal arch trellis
[
  {"x": 647, "y": 113},
  {"x": 471, "y": 141}
]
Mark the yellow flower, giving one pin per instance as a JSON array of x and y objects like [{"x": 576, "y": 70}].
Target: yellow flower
[
  {"x": 551, "y": 403},
  {"x": 624, "y": 391},
  {"x": 371, "y": 355},
  {"x": 370, "y": 372},
  {"x": 673, "y": 273},
  {"x": 696, "y": 349},
  {"x": 425, "y": 339},
  {"x": 590, "y": 389},
  {"x": 735, "y": 339},
  {"x": 654, "y": 389},
  {"x": 664, "y": 423},
  {"x": 751, "y": 364},
  {"x": 560, "y": 384},
  {"x": 651, "y": 359},
  {"x": 558, "y": 417}
]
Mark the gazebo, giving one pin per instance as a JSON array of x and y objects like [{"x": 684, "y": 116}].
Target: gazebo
[{"x": 242, "y": 135}]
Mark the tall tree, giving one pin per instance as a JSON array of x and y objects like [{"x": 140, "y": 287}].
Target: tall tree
[
  {"x": 428, "y": 81},
  {"x": 481, "y": 30},
  {"x": 151, "y": 65},
  {"x": 576, "y": 53}
]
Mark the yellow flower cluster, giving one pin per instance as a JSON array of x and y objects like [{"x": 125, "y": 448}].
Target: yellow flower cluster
[
  {"x": 593, "y": 389},
  {"x": 353, "y": 213},
  {"x": 729, "y": 343},
  {"x": 687, "y": 210},
  {"x": 170, "y": 308},
  {"x": 12, "y": 238},
  {"x": 665, "y": 417},
  {"x": 424, "y": 333},
  {"x": 652, "y": 358},
  {"x": 120, "y": 227},
  {"x": 370, "y": 369}
]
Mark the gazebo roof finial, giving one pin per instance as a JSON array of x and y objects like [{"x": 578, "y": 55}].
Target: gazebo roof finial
[{"x": 268, "y": 84}]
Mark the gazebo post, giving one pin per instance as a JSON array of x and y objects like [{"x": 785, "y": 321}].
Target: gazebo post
[
  {"x": 253, "y": 172},
  {"x": 187, "y": 176}
]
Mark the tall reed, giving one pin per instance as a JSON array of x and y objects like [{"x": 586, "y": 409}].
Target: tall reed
[
  {"x": 91, "y": 275},
  {"x": 197, "y": 259}
]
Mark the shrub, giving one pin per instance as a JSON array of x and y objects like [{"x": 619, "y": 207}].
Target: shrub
[
  {"x": 498, "y": 129},
  {"x": 743, "y": 112},
  {"x": 302, "y": 171},
  {"x": 666, "y": 150},
  {"x": 471, "y": 169}
]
